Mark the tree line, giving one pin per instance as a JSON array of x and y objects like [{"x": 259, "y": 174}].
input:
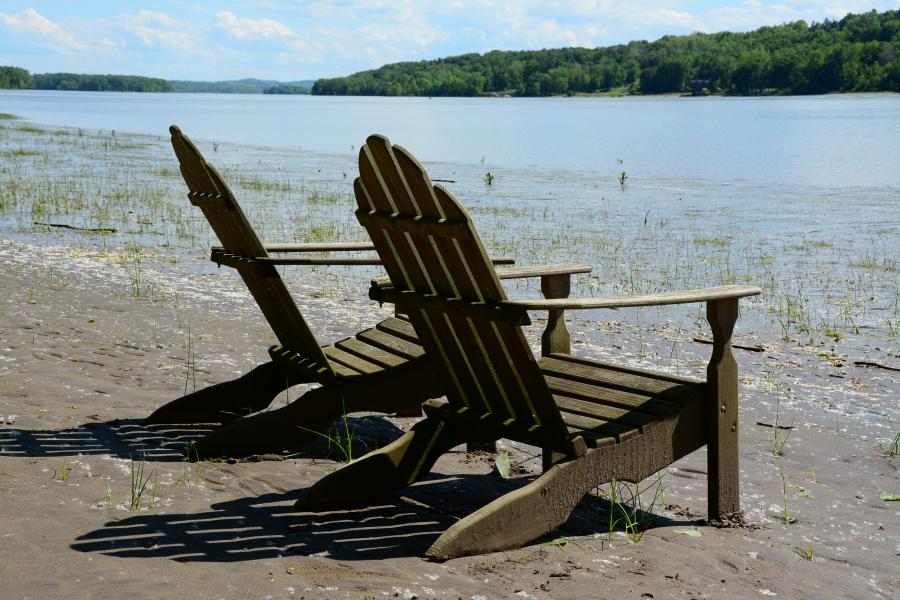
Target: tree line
[
  {"x": 243, "y": 86},
  {"x": 859, "y": 53},
  {"x": 16, "y": 78}
]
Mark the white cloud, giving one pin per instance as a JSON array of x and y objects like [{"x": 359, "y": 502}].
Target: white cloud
[
  {"x": 30, "y": 21},
  {"x": 549, "y": 33},
  {"x": 155, "y": 29},
  {"x": 670, "y": 18},
  {"x": 107, "y": 43},
  {"x": 244, "y": 29},
  {"x": 298, "y": 45},
  {"x": 752, "y": 14}
]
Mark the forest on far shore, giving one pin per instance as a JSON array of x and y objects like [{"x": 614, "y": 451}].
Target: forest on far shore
[
  {"x": 20, "y": 79},
  {"x": 859, "y": 53}
]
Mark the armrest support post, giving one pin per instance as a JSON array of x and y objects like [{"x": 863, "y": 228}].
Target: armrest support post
[
  {"x": 722, "y": 415},
  {"x": 555, "y": 338}
]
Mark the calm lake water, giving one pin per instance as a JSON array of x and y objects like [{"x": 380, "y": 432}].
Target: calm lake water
[{"x": 821, "y": 141}]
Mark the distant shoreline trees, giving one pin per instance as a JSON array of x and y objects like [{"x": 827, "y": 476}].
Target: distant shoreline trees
[
  {"x": 100, "y": 83},
  {"x": 286, "y": 88},
  {"x": 16, "y": 78},
  {"x": 859, "y": 53}
]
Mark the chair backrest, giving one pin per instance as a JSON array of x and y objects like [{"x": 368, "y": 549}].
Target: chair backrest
[
  {"x": 429, "y": 246},
  {"x": 209, "y": 191}
]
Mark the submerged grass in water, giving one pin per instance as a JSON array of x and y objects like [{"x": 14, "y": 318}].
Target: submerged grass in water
[{"x": 640, "y": 239}]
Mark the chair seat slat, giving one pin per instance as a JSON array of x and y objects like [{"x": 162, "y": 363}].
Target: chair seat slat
[
  {"x": 592, "y": 362},
  {"x": 579, "y": 424},
  {"x": 385, "y": 341},
  {"x": 373, "y": 354},
  {"x": 401, "y": 327},
  {"x": 351, "y": 361},
  {"x": 645, "y": 384},
  {"x": 597, "y": 393}
]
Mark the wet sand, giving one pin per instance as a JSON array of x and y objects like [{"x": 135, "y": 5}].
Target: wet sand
[{"x": 82, "y": 361}]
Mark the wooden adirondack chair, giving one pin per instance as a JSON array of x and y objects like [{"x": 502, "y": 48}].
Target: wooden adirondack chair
[
  {"x": 594, "y": 421},
  {"x": 381, "y": 369}
]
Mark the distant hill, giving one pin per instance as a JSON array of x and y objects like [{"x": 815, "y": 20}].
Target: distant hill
[
  {"x": 16, "y": 78},
  {"x": 859, "y": 53},
  {"x": 241, "y": 86}
]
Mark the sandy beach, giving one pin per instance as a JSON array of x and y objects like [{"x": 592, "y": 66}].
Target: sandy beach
[{"x": 89, "y": 346}]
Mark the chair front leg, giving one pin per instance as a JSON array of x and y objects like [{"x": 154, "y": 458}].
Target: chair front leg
[
  {"x": 722, "y": 413},
  {"x": 381, "y": 472}
]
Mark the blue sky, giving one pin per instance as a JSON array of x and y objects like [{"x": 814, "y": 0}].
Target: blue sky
[{"x": 299, "y": 39}]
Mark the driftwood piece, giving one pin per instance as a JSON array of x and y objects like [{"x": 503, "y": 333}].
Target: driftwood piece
[
  {"x": 701, "y": 340},
  {"x": 74, "y": 228},
  {"x": 866, "y": 363}
]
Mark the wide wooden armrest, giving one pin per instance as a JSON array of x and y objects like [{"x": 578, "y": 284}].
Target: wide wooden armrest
[
  {"x": 541, "y": 271},
  {"x": 314, "y": 247},
  {"x": 723, "y": 292},
  {"x": 319, "y": 261},
  {"x": 222, "y": 257}
]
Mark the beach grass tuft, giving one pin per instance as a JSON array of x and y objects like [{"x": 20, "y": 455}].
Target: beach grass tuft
[{"x": 140, "y": 484}]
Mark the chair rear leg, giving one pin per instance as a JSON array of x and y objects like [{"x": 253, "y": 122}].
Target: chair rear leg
[
  {"x": 400, "y": 390},
  {"x": 296, "y": 424},
  {"x": 273, "y": 431},
  {"x": 227, "y": 401},
  {"x": 377, "y": 474}
]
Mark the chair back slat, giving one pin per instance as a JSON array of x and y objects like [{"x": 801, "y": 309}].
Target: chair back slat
[
  {"x": 507, "y": 343},
  {"x": 487, "y": 364},
  {"x": 217, "y": 202},
  {"x": 403, "y": 262},
  {"x": 475, "y": 355}
]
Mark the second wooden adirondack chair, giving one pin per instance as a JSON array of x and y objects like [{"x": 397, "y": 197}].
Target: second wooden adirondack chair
[
  {"x": 594, "y": 421},
  {"x": 381, "y": 369}
]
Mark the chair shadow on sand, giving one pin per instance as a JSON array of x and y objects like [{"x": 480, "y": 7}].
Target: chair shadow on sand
[
  {"x": 269, "y": 526},
  {"x": 121, "y": 438},
  {"x": 131, "y": 438}
]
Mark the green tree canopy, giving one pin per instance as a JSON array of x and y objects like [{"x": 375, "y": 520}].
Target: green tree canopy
[{"x": 858, "y": 53}]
